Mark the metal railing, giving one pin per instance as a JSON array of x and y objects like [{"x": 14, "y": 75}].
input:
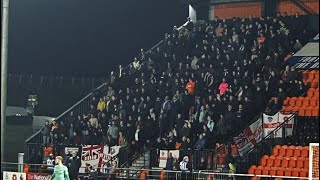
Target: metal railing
[
  {"x": 120, "y": 173},
  {"x": 194, "y": 155}
]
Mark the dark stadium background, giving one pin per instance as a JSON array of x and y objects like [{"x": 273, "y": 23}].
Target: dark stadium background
[{"x": 86, "y": 37}]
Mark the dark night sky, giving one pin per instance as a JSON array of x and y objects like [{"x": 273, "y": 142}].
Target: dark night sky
[{"x": 91, "y": 36}]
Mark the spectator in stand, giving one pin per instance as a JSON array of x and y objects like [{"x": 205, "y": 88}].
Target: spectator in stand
[
  {"x": 113, "y": 131},
  {"x": 101, "y": 105},
  {"x": 200, "y": 143},
  {"x": 247, "y": 54},
  {"x": 46, "y": 134},
  {"x": 93, "y": 121},
  {"x": 191, "y": 87},
  {"x": 223, "y": 87}
]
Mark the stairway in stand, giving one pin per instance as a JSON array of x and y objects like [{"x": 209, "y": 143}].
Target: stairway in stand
[{"x": 142, "y": 162}]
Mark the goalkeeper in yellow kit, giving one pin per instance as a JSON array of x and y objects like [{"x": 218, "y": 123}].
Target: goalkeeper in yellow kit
[{"x": 60, "y": 171}]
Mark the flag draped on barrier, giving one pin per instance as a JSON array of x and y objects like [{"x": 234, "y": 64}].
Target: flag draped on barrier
[{"x": 249, "y": 137}]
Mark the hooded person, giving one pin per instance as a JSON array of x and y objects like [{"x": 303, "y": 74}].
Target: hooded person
[{"x": 184, "y": 164}]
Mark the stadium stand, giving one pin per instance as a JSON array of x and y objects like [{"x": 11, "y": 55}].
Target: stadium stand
[{"x": 198, "y": 88}]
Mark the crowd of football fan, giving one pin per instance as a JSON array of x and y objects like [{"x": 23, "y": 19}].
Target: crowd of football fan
[{"x": 202, "y": 84}]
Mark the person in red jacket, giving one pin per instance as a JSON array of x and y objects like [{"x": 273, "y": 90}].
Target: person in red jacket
[
  {"x": 223, "y": 86},
  {"x": 191, "y": 87}
]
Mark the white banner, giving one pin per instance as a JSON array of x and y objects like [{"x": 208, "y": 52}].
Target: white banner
[
  {"x": 270, "y": 123},
  {"x": 14, "y": 176},
  {"x": 289, "y": 125},
  {"x": 249, "y": 137},
  {"x": 163, "y": 158},
  {"x": 164, "y": 154},
  {"x": 69, "y": 150},
  {"x": 99, "y": 156}
]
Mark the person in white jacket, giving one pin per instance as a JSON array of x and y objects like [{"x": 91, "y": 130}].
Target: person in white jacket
[{"x": 183, "y": 164}]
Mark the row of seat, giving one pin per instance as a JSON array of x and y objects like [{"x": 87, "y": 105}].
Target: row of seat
[
  {"x": 304, "y": 106},
  {"x": 310, "y": 75},
  {"x": 274, "y": 171},
  {"x": 285, "y": 162},
  {"x": 313, "y": 93},
  {"x": 301, "y": 102},
  {"x": 291, "y": 151}
]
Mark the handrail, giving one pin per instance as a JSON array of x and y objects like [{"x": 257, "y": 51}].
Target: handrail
[{"x": 67, "y": 111}]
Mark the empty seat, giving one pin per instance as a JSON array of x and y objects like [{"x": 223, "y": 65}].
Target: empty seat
[
  {"x": 288, "y": 172},
  {"x": 306, "y": 163},
  {"x": 276, "y": 150},
  {"x": 292, "y": 162},
  {"x": 283, "y": 150},
  {"x": 265, "y": 171},
  {"x": 306, "y": 102},
  {"x": 281, "y": 171},
  {"x": 297, "y": 151},
  {"x": 270, "y": 161},
  {"x": 300, "y": 162},
  {"x": 305, "y": 151},
  {"x": 290, "y": 151},
  {"x": 315, "y": 112},
  {"x": 273, "y": 171},
  {"x": 263, "y": 161},
  {"x": 308, "y": 112},
  {"x": 313, "y": 103},
  {"x": 285, "y": 162},
  {"x": 258, "y": 170},
  {"x": 303, "y": 173},
  {"x": 310, "y": 93},
  {"x": 299, "y": 103},
  {"x": 277, "y": 162},
  {"x": 301, "y": 112},
  {"x": 292, "y": 102},
  {"x": 295, "y": 172},
  {"x": 252, "y": 169}
]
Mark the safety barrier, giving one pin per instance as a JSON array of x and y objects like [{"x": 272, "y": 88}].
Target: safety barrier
[{"x": 120, "y": 173}]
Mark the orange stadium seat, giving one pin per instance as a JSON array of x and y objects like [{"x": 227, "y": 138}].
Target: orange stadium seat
[
  {"x": 308, "y": 112},
  {"x": 252, "y": 169},
  {"x": 313, "y": 102},
  {"x": 315, "y": 112},
  {"x": 290, "y": 151},
  {"x": 283, "y": 150},
  {"x": 266, "y": 170},
  {"x": 292, "y": 162},
  {"x": 310, "y": 92},
  {"x": 288, "y": 172},
  {"x": 295, "y": 172},
  {"x": 277, "y": 162},
  {"x": 270, "y": 161},
  {"x": 300, "y": 162},
  {"x": 305, "y": 151},
  {"x": 285, "y": 162},
  {"x": 299, "y": 103},
  {"x": 258, "y": 170},
  {"x": 281, "y": 171},
  {"x": 276, "y": 150},
  {"x": 297, "y": 151},
  {"x": 273, "y": 171},
  {"x": 304, "y": 172},
  {"x": 263, "y": 161},
  {"x": 301, "y": 112},
  {"x": 306, "y": 163}
]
